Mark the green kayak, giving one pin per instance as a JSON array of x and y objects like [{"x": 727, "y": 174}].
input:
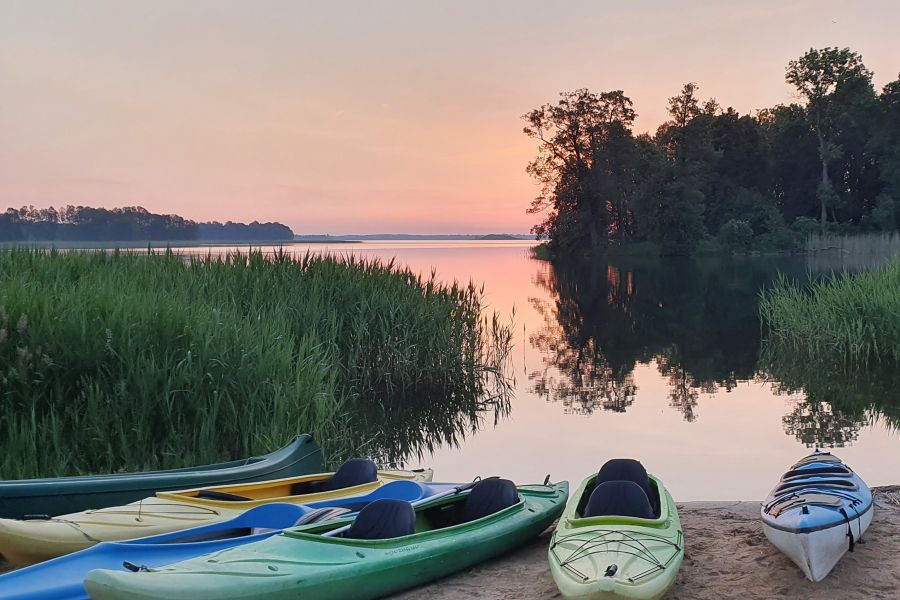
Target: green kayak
[
  {"x": 63, "y": 495},
  {"x": 620, "y": 537},
  {"x": 391, "y": 546}
]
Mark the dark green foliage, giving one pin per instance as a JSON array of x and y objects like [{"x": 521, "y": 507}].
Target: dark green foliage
[
  {"x": 83, "y": 223},
  {"x": 736, "y": 235},
  {"x": 112, "y": 361},
  {"x": 834, "y": 159}
]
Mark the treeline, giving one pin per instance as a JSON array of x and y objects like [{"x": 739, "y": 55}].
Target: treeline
[
  {"x": 828, "y": 163},
  {"x": 131, "y": 223}
]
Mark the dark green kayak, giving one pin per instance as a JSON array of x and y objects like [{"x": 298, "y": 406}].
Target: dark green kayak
[
  {"x": 64, "y": 495},
  {"x": 395, "y": 549}
]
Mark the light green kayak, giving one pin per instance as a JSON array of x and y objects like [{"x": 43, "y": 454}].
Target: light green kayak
[
  {"x": 445, "y": 536},
  {"x": 597, "y": 554}
]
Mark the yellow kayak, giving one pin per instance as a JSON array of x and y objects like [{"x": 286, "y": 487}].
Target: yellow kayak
[{"x": 25, "y": 542}]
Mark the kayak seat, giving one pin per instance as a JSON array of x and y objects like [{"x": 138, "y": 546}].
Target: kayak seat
[
  {"x": 620, "y": 499},
  {"x": 625, "y": 469},
  {"x": 215, "y": 495},
  {"x": 489, "y": 496},
  {"x": 628, "y": 469},
  {"x": 355, "y": 471},
  {"x": 383, "y": 519}
]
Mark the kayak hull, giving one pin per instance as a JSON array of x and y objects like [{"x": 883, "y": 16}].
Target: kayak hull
[
  {"x": 818, "y": 552},
  {"x": 63, "y": 578},
  {"x": 26, "y": 542},
  {"x": 301, "y": 563},
  {"x": 817, "y": 512},
  {"x": 62, "y": 495},
  {"x": 647, "y": 553}
]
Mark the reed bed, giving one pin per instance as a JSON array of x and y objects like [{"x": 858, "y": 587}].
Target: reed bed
[
  {"x": 112, "y": 361},
  {"x": 852, "y": 252},
  {"x": 854, "y": 316}
]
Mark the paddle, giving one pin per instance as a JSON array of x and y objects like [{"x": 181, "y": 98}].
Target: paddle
[{"x": 457, "y": 490}]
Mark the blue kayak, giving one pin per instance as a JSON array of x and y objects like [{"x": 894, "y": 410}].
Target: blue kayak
[
  {"x": 63, "y": 578},
  {"x": 818, "y": 511}
]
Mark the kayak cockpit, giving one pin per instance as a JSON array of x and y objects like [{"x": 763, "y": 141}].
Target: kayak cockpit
[
  {"x": 355, "y": 475},
  {"x": 622, "y": 489},
  {"x": 390, "y": 519}
]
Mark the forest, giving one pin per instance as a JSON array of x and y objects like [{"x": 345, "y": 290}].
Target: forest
[
  {"x": 712, "y": 178},
  {"x": 131, "y": 223}
]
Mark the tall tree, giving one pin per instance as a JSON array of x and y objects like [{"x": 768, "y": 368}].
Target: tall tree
[
  {"x": 572, "y": 133},
  {"x": 818, "y": 75}
]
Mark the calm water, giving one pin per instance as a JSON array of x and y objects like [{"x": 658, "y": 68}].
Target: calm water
[{"x": 658, "y": 361}]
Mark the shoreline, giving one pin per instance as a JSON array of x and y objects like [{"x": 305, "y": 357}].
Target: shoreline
[{"x": 726, "y": 556}]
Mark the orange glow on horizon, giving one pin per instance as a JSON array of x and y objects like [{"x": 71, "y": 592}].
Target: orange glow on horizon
[{"x": 361, "y": 117}]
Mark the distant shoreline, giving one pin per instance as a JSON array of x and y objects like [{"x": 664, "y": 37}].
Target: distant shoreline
[{"x": 161, "y": 244}]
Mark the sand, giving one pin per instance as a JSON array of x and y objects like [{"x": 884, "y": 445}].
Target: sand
[{"x": 726, "y": 556}]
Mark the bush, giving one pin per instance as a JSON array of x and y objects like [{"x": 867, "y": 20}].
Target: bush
[{"x": 736, "y": 235}]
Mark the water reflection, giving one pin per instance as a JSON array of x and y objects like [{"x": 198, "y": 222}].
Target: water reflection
[
  {"x": 697, "y": 322},
  {"x": 402, "y": 429},
  {"x": 837, "y": 401}
]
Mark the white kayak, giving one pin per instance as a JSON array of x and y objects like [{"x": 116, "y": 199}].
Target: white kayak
[{"x": 818, "y": 511}]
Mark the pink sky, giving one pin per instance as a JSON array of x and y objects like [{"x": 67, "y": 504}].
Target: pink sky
[{"x": 371, "y": 116}]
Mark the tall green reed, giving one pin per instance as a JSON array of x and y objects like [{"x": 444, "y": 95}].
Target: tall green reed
[
  {"x": 114, "y": 361},
  {"x": 854, "y": 316}
]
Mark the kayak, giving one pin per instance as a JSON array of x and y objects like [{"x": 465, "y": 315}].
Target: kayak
[
  {"x": 55, "y": 496},
  {"x": 389, "y": 547},
  {"x": 25, "y": 542},
  {"x": 818, "y": 511},
  {"x": 63, "y": 578},
  {"x": 620, "y": 537}
]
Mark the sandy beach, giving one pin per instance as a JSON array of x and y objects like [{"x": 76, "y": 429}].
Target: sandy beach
[{"x": 727, "y": 556}]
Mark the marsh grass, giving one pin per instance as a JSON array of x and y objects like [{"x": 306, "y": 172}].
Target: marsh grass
[
  {"x": 854, "y": 316},
  {"x": 112, "y": 361}
]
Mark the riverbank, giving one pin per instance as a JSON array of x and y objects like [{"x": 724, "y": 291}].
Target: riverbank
[{"x": 727, "y": 556}]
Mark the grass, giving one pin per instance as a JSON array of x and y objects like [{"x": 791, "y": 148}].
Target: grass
[
  {"x": 854, "y": 316},
  {"x": 113, "y": 361}
]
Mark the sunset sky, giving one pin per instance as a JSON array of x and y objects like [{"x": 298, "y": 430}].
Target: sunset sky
[{"x": 369, "y": 116}]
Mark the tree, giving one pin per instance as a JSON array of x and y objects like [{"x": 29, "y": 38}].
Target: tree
[
  {"x": 818, "y": 76},
  {"x": 572, "y": 133}
]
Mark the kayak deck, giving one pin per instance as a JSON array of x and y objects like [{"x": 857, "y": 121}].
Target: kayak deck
[
  {"x": 25, "y": 542},
  {"x": 303, "y": 562},
  {"x": 611, "y": 556},
  {"x": 61, "y": 495}
]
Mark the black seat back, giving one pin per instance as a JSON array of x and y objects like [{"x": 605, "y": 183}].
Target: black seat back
[
  {"x": 619, "y": 498},
  {"x": 625, "y": 469},
  {"x": 383, "y": 519},
  {"x": 355, "y": 471},
  {"x": 489, "y": 496}
]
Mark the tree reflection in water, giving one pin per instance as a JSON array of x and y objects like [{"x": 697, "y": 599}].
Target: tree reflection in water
[
  {"x": 696, "y": 321},
  {"x": 837, "y": 401}
]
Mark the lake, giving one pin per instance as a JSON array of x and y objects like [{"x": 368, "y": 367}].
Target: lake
[{"x": 656, "y": 360}]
